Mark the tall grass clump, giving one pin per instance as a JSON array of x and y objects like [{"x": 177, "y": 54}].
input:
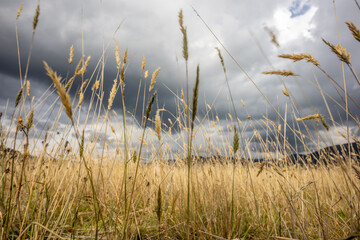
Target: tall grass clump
[{"x": 65, "y": 175}]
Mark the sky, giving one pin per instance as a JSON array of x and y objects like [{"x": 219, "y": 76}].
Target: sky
[{"x": 150, "y": 29}]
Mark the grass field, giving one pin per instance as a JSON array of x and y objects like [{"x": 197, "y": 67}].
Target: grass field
[{"x": 70, "y": 183}]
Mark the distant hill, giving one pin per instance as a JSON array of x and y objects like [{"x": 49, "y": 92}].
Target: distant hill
[{"x": 330, "y": 154}]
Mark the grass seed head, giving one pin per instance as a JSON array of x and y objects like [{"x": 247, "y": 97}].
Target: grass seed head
[
  {"x": 71, "y": 54},
  {"x": 112, "y": 94},
  {"x": 221, "y": 59},
  {"x": 30, "y": 120},
  {"x": 153, "y": 78},
  {"x": 28, "y": 88},
  {"x": 354, "y": 30},
  {"x": 184, "y": 33},
  {"x": 284, "y": 73},
  {"x": 143, "y": 63},
  {"x": 285, "y": 92},
  {"x": 96, "y": 85},
  {"x": 299, "y": 57},
  {"x": 341, "y": 52},
  {"x": 36, "y": 17},
  {"x": 195, "y": 97},
  {"x": 158, "y": 124},
  {"x": 235, "y": 140},
  {"x": 117, "y": 55},
  {"x": 125, "y": 57},
  {"x": 81, "y": 98},
  {"x": 148, "y": 109},
  {"x": 18, "y": 96},
  {"x": 65, "y": 98},
  {"x": 19, "y": 11}
]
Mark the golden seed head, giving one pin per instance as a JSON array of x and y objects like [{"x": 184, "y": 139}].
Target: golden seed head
[
  {"x": 77, "y": 69},
  {"x": 122, "y": 74},
  {"x": 242, "y": 102},
  {"x": 112, "y": 94},
  {"x": 143, "y": 63},
  {"x": 112, "y": 128},
  {"x": 28, "y": 88},
  {"x": 285, "y": 92},
  {"x": 117, "y": 55},
  {"x": 183, "y": 31},
  {"x": 19, "y": 11},
  {"x": 341, "y": 52},
  {"x": 96, "y": 85},
  {"x": 299, "y": 57},
  {"x": 83, "y": 69},
  {"x": 36, "y": 17},
  {"x": 125, "y": 56},
  {"x": 158, "y": 124},
  {"x": 71, "y": 54},
  {"x": 65, "y": 98},
  {"x": 221, "y": 59},
  {"x": 81, "y": 98},
  {"x": 153, "y": 78},
  {"x": 146, "y": 74},
  {"x": 30, "y": 119},
  {"x": 309, "y": 117},
  {"x": 18, "y": 96},
  {"x": 354, "y": 30},
  {"x": 284, "y": 73},
  {"x": 20, "y": 121},
  {"x": 69, "y": 82}
]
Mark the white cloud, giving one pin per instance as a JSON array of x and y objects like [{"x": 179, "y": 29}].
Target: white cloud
[{"x": 294, "y": 28}]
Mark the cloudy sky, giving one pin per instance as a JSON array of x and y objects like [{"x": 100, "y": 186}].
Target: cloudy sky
[{"x": 150, "y": 29}]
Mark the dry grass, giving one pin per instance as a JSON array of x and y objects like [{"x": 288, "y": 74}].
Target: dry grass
[{"x": 88, "y": 187}]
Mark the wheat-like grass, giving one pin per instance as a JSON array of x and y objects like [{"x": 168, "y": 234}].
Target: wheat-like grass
[
  {"x": 153, "y": 79},
  {"x": 28, "y": 88},
  {"x": 71, "y": 54},
  {"x": 284, "y": 73},
  {"x": 143, "y": 63},
  {"x": 117, "y": 55},
  {"x": 158, "y": 124},
  {"x": 64, "y": 96},
  {"x": 184, "y": 33},
  {"x": 340, "y": 51},
  {"x": 354, "y": 30},
  {"x": 301, "y": 56},
  {"x": 112, "y": 94},
  {"x": 285, "y": 92},
  {"x": 19, "y": 11},
  {"x": 36, "y": 17}
]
